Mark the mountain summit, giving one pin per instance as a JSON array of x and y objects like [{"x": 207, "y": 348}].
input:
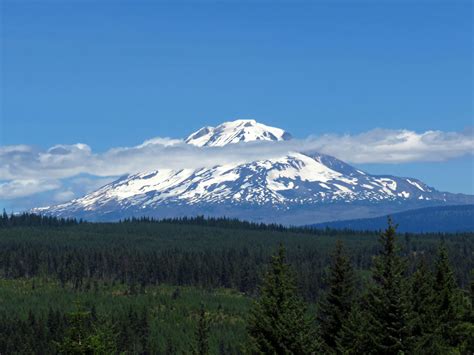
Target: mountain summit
[
  {"x": 236, "y": 132},
  {"x": 296, "y": 188}
]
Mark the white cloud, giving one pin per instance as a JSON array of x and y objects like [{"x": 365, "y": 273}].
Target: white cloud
[
  {"x": 161, "y": 141},
  {"x": 396, "y": 146},
  {"x": 63, "y": 196},
  {"x": 21, "y": 188},
  {"x": 26, "y": 170}
]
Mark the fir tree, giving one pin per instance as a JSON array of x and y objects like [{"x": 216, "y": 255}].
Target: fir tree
[
  {"x": 202, "y": 333},
  {"x": 84, "y": 337},
  {"x": 353, "y": 338},
  {"x": 388, "y": 305},
  {"x": 451, "y": 307},
  {"x": 423, "y": 322},
  {"x": 77, "y": 339},
  {"x": 445, "y": 287},
  {"x": 335, "y": 307},
  {"x": 468, "y": 341},
  {"x": 278, "y": 322}
]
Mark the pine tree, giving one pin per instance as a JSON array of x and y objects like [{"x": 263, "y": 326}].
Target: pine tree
[
  {"x": 438, "y": 309},
  {"x": 353, "y": 338},
  {"x": 423, "y": 322},
  {"x": 202, "y": 333},
  {"x": 335, "y": 307},
  {"x": 450, "y": 308},
  {"x": 388, "y": 305},
  {"x": 83, "y": 336},
  {"x": 445, "y": 286},
  {"x": 468, "y": 342},
  {"x": 77, "y": 339},
  {"x": 278, "y": 323}
]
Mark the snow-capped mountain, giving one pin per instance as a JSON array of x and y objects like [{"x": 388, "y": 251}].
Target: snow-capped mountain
[
  {"x": 296, "y": 188},
  {"x": 235, "y": 132}
]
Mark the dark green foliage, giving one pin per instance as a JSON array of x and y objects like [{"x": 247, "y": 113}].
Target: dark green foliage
[
  {"x": 445, "y": 289},
  {"x": 84, "y": 335},
  {"x": 34, "y": 220},
  {"x": 388, "y": 303},
  {"x": 278, "y": 323},
  {"x": 423, "y": 318},
  {"x": 46, "y": 320},
  {"x": 335, "y": 307},
  {"x": 451, "y": 330},
  {"x": 186, "y": 254},
  {"x": 119, "y": 272},
  {"x": 440, "y": 311},
  {"x": 201, "y": 346},
  {"x": 353, "y": 339}
]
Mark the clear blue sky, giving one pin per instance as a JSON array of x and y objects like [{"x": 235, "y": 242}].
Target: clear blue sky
[{"x": 109, "y": 73}]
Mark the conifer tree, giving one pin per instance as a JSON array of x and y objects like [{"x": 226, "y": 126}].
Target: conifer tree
[
  {"x": 388, "y": 305},
  {"x": 353, "y": 338},
  {"x": 84, "y": 337},
  {"x": 335, "y": 307},
  {"x": 438, "y": 311},
  {"x": 77, "y": 339},
  {"x": 202, "y": 333},
  {"x": 450, "y": 306},
  {"x": 469, "y": 341},
  {"x": 445, "y": 287},
  {"x": 278, "y": 322},
  {"x": 423, "y": 322}
]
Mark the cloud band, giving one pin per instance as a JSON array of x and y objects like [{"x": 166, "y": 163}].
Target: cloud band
[{"x": 26, "y": 170}]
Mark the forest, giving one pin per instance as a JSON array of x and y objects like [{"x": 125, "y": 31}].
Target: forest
[{"x": 222, "y": 286}]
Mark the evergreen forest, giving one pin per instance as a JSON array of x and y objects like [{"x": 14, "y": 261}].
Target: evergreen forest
[{"x": 223, "y": 286}]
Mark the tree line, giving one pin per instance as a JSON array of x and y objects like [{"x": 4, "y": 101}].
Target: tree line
[{"x": 26, "y": 219}]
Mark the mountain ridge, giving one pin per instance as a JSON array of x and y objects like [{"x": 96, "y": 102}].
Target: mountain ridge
[{"x": 436, "y": 219}]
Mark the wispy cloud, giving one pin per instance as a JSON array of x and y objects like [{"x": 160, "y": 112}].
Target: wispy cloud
[
  {"x": 26, "y": 187},
  {"x": 396, "y": 146},
  {"x": 26, "y": 170}
]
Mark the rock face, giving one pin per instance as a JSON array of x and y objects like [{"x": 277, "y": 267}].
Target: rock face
[{"x": 295, "y": 189}]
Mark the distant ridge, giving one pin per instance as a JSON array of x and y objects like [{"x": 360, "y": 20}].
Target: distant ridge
[{"x": 423, "y": 220}]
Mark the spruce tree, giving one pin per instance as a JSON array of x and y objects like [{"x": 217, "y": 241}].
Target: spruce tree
[
  {"x": 423, "y": 322},
  {"x": 353, "y": 338},
  {"x": 450, "y": 308},
  {"x": 201, "y": 346},
  {"x": 83, "y": 336},
  {"x": 469, "y": 318},
  {"x": 388, "y": 305},
  {"x": 278, "y": 322},
  {"x": 445, "y": 287},
  {"x": 77, "y": 339},
  {"x": 441, "y": 324},
  {"x": 336, "y": 305}
]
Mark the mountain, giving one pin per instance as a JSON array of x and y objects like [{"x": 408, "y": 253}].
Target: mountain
[
  {"x": 298, "y": 188},
  {"x": 237, "y": 131},
  {"x": 424, "y": 220}
]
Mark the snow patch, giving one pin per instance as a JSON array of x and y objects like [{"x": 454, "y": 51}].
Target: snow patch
[{"x": 414, "y": 183}]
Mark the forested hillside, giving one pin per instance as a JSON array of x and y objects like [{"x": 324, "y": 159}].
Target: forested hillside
[
  {"x": 446, "y": 219},
  {"x": 144, "y": 286}
]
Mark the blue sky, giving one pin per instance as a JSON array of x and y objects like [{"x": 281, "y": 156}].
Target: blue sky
[{"x": 112, "y": 74}]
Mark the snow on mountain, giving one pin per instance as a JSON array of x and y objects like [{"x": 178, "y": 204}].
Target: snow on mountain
[
  {"x": 295, "y": 188},
  {"x": 235, "y": 132}
]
